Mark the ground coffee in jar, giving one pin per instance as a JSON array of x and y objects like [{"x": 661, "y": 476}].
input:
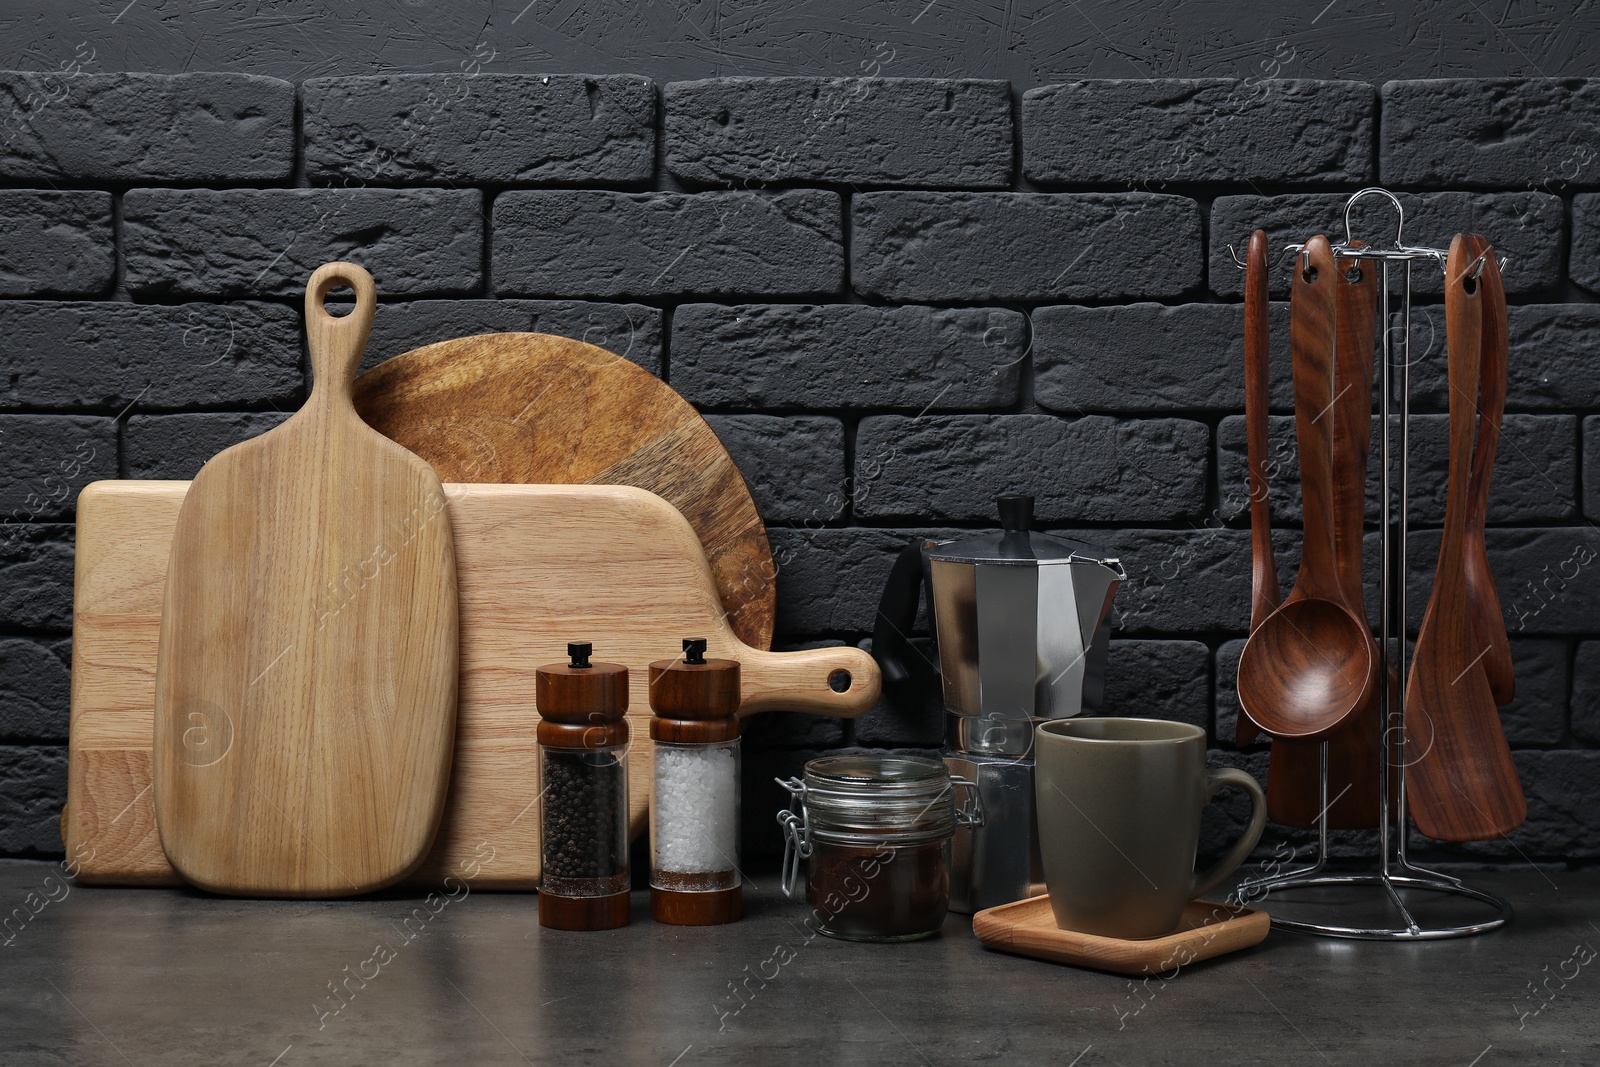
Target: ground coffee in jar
[
  {"x": 583, "y": 742},
  {"x": 875, "y": 832}
]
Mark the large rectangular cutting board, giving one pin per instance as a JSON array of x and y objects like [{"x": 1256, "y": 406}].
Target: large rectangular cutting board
[{"x": 538, "y": 566}]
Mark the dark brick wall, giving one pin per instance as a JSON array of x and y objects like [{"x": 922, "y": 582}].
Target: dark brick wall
[{"x": 893, "y": 298}]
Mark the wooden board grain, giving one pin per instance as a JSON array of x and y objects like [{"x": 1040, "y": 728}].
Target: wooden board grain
[
  {"x": 304, "y": 707},
  {"x": 1028, "y": 928},
  {"x": 535, "y": 408},
  {"x": 537, "y": 566}
]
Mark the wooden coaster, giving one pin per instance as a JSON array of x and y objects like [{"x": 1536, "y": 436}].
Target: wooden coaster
[{"x": 1028, "y": 928}]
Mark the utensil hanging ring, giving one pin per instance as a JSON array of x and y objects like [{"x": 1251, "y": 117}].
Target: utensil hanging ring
[{"x": 1373, "y": 190}]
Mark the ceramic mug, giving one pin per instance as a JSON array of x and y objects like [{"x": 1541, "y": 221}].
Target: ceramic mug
[{"x": 1119, "y": 804}]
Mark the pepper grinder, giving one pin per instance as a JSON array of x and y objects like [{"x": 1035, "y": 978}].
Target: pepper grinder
[
  {"x": 694, "y": 792},
  {"x": 583, "y": 740}
]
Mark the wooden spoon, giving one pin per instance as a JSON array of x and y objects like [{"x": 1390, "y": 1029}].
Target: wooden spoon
[
  {"x": 1491, "y": 408},
  {"x": 1293, "y": 797},
  {"x": 1309, "y": 665},
  {"x": 1463, "y": 783},
  {"x": 1263, "y": 567}
]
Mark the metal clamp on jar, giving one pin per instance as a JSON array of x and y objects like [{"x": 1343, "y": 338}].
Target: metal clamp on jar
[
  {"x": 1019, "y": 621},
  {"x": 875, "y": 833}
]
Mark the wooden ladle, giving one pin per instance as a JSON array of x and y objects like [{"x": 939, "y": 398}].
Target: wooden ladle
[
  {"x": 1309, "y": 665},
  {"x": 1463, "y": 784},
  {"x": 1354, "y": 750}
]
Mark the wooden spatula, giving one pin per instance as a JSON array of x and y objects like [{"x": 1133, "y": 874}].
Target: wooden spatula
[
  {"x": 306, "y": 680},
  {"x": 1462, "y": 781},
  {"x": 1492, "y": 407},
  {"x": 1264, "y": 593}
]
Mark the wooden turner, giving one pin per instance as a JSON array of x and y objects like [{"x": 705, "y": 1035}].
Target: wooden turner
[
  {"x": 1492, "y": 407},
  {"x": 1461, "y": 779},
  {"x": 1264, "y": 593},
  {"x": 306, "y": 682}
]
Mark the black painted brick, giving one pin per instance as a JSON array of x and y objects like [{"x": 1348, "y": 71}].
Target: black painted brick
[
  {"x": 36, "y": 576},
  {"x": 1526, "y": 227},
  {"x": 176, "y": 446},
  {"x": 929, "y": 132},
  {"x": 160, "y": 356},
  {"x": 1537, "y": 714},
  {"x": 257, "y": 242},
  {"x": 1198, "y": 130},
  {"x": 829, "y": 581},
  {"x": 1591, "y": 467},
  {"x": 794, "y": 466},
  {"x": 1499, "y": 133},
  {"x": 1586, "y": 692},
  {"x": 1535, "y": 470},
  {"x": 1180, "y": 581},
  {"x": 915, "y": 246},
  {"x": 608, "y": 244},
  {"x": 1135, "y": 358},
  {"x": 847, "y": 356},
  {"x": 1159, "y": 680},
  {"x": 1548, "y": 578},
  {"x": 34, "y": 691},
  {"x": 55, "y": 243},
  {"x": 1226, "y": 692},
  {"x": 204, "y": 127},
  {"x": 1585, "y": 261},
  {"x": 1094, "y": 469},
  {"x": 33, "y": 788},
  {"x": 1563, "y": 793},
  {"x": 1550, "y": 364},
  {"x": 446, "y": 129},
  {"x": 632, "y": 331},
  {"x": 46, "y": 459}
]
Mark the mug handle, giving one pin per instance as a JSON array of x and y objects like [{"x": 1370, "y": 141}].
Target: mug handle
[{"x": 1217, "y": 780}]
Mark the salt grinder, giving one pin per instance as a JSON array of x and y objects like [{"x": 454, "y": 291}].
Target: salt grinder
[
  {"x": 583, "y": 741},
  {"x": 694, "y": 792}
]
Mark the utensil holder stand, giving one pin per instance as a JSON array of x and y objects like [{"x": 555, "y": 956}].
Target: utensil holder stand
[{"x": 1395, "y": 870}]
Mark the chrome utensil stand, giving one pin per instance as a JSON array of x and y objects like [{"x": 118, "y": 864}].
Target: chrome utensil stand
[{"x": 1395, "y": 870}]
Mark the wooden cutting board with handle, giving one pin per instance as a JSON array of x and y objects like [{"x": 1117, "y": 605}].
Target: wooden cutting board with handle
[
  {"x": 535, "y": 408},
  {"x": 305, "y": 693},
  {"x": 538, "y": 565}
]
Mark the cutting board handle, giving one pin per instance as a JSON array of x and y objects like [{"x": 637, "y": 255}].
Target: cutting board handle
[
  {"x": 805, "y": 680},
  {"x": 337, "y": 341}
]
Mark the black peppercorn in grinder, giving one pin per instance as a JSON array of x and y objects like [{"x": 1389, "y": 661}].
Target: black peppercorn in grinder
[
  {"x": 1019, "y": 619},
  {"x": 583, "y": 743}
]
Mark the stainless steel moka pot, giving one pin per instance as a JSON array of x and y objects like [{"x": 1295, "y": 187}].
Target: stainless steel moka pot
[{"x": 1019, "y": 622}]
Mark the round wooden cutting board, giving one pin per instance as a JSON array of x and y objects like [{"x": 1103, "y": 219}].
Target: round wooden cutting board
[{"x": 539, "y": 409}]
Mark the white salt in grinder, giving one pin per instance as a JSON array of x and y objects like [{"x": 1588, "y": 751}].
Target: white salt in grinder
[{"x": 694, "y": 792}]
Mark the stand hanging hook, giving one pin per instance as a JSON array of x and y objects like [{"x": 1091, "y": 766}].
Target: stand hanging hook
[{"x": 1374, "y": 190}]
